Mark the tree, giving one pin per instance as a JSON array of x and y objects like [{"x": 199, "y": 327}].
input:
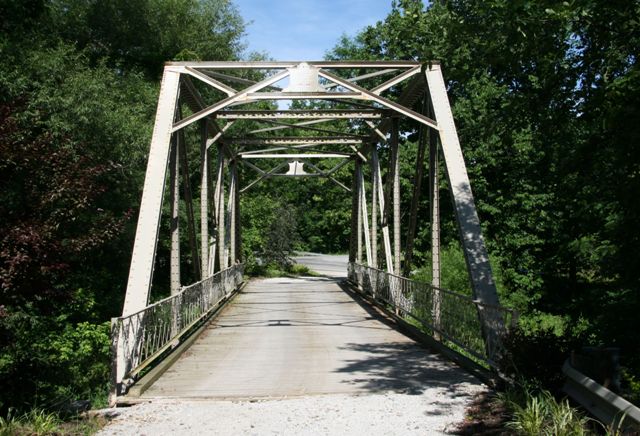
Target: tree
[
  {"x": 542, "y": 96},
  {"x": 54, "y": 219},
  {"x": 78, "y": 90}
]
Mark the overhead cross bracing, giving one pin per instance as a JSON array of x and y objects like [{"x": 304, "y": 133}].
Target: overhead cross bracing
[
  {"x": 302, "y": 119},
  {"x": 363, "y": 114}
]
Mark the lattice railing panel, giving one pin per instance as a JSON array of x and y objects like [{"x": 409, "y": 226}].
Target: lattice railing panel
[
  {"x": 139, "y": 338},
  {"x": 453, "y": 316}
]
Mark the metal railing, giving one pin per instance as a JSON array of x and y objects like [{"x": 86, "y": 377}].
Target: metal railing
[
  {"x": 448, "y": 315},
  {"x": 138, "y": 339}
]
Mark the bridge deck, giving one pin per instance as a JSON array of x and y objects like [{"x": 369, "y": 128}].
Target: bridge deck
[{"x": 287, "y": 337}]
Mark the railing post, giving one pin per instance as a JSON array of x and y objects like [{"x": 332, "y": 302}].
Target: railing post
[
  {"x": 175, "y": 316},
  {"x": 117, "y": 362}
]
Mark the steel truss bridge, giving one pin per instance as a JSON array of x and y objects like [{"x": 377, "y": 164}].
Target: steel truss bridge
[{"x": 350, "y": 111}]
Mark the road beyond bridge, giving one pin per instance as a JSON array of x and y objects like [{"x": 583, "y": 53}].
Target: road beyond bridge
[{"x": 302, "y": 355}]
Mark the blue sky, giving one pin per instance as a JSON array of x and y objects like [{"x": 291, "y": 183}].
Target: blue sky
[{"x": 305, "y": 29}]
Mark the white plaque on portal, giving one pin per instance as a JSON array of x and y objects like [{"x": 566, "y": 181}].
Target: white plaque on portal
[
  {"x": 296, "y": 168},
  {"x": 304, "y": 78}
]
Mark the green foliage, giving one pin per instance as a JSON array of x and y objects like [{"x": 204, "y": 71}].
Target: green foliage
[
  {"x": 281, "y": 237},
  {"x": 453, "y": 270},
  {"x": 543, "y": 96},
  {"x": 39, "y": 422},
  {"x": 301, "y": 270},
  {"x": 9, "y": 425},
  {"x": 539, "y": 413},
  {"x": 35, "y": 422},
  {"x": 543, "y": 370},
  {"x": 270, "y": 236},
  {"x": 78, "y": 91},
  {"x": 50, "y": 226},
  {"x": 545, "y": 100},
  {"x": 273, "y": 270},
  {"x": 630, "y": 386},
  {"x": 135, "y": 34}
]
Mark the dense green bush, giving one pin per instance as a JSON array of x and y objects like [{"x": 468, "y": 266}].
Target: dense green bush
[
  {"x": 453, "y": 270},
  {"x": 537, "y": 356},
  {"x": 78, "y": 91}
]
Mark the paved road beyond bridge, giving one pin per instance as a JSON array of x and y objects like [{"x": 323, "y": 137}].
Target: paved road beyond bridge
[{"x": 301, "y": 337}]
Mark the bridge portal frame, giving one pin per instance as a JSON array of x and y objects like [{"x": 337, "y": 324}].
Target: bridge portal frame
[{"x": 314, "y": 81}]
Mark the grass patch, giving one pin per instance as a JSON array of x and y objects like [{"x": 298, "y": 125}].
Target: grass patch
[
  {"x": 298, "y": 269},
  {"x": 291, "y": 270},
  {"x": 40, "y": 422},
  {"x": 527, "y": 410},
  {"x": 535, "y": 411}
]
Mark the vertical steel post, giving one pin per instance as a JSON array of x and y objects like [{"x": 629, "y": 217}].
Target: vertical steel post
[
  {"x": 227, "y": 225},
  {"x": 144, "y": 248},
  {"x": 204, "y": 201},
  {"x": 434, "y": 204},
  {"x": 238, "y": 225},
  {"x": 417, "y": 190},
  {"x": 174, "y": 185},
  {"x": 375, "y": 180},
  {"x": 396, "y": 193},
  {"x": 383, "y": 206},
  {"x": 213, "y": 220},
  {"x": 358, "y": 173},
  {"x": 353, "y": 237},
  {"x": 477, "y": 258},
  {"x": 220, "y": 208},
  {"x": 188, "y": 198},
  {"x": 365, "y": 217},
  {"x": 232, "y": 213}
]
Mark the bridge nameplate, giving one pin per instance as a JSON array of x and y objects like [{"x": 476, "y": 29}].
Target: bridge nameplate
[{"x": 304, "y": 78}]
